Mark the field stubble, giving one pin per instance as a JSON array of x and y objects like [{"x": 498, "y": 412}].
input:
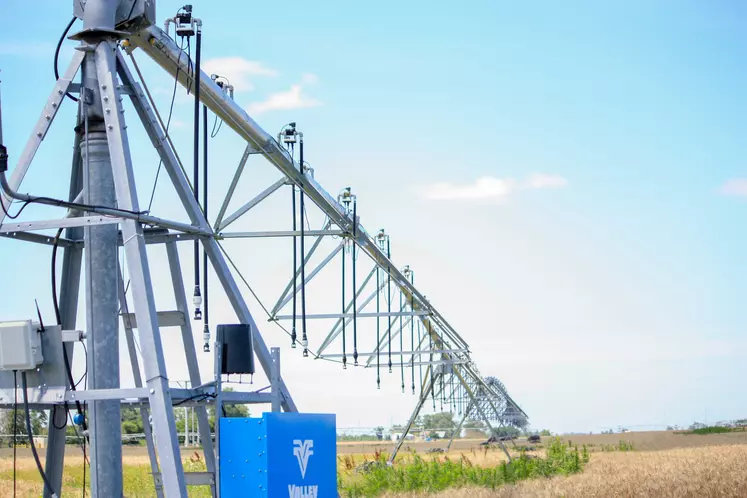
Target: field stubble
[{"x": 710, "y": 471}]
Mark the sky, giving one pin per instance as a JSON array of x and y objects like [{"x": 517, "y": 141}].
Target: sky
[{"x": 567, "y": 180}]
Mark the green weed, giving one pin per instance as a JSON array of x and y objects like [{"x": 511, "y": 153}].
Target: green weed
[{"x": 418, "y": 474}]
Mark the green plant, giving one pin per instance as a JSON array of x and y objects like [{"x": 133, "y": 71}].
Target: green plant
[
  {"x": 711, "y": 430},
  {"x": 413, "y": 473}
]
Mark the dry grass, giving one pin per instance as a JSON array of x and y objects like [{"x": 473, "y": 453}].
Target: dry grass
[{"x": 716, "y": 471}]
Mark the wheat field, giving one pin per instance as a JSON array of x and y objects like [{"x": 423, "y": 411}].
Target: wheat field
[{"x": 710, "y": 471}]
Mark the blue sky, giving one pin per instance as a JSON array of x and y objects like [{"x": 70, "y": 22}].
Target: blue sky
[{"x": 567, "y": 180}]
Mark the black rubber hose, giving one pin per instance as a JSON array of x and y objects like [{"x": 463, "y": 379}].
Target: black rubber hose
[
  {"x": 196, "y": 171},
  {"x": 412, "y": 331},
  {"x": 401, "y": 344},
  {"x": 389, "y": 300},
  {"x": 57, "y": 54},
  {"x": 355, "y": 287},
  {"x": 205, "y": 266},
  {"x": 31, "y": 436},
  {"x": 303, "y": 258},
  {"x": 58, "y": 316},
  {"x": 344, "y": 352},
  {"x": 294, "y": 335},
  {"x": 378, "y": 328}
]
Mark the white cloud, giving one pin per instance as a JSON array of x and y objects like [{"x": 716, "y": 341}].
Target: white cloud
[
  {"x": 291, "y": 99},
  {"x": 309, "y": 79},
  {"x": 735, "y": 187},
  {"x": 543, "y": 180},
  {"x": 238, "y": 71},
  {"x": 490, "y": 187},
  {"x": 487, "y": 187}
]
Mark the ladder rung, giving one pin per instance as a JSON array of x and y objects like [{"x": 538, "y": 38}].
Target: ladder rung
[{"x": 190, "y": 478}]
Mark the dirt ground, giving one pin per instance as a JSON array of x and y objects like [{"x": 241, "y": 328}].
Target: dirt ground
[{"x": 645, "y": 441}]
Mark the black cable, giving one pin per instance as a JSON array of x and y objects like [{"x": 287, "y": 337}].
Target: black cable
[
  {"x": 13, "y": 216},
  {"x": 431, "y": 367},
  {"x": 378, "y": 328},
  {"x": 401, "y": 344},
  {"x": 168, "y": 122},
  {"x": 190, "y": 67},
  {"x": 199, "y": 397},
  {"x": 49, "y": 201},
  {"x": 31, "y": 435},
  {"x": 294, "y": 335},
  {"x": 355, "y": 287},
  {"x": 389, "y": 299},
  {"x": 205, "y": 307},
  {"x": 132, "y": 9},
  {"x": 420, "y": 361},
  {"x": 305, "y": 340},
  {"x": 54, "y": 413},
  {"x": 412, "y": 330},
  {"x": 57, "y": 54},
  {"x": 58, "y": 316},
  {"x": 344, "y": 353},
  {"x": 196, "y": 171},
  {"x": 15, "y": 425},
  {"x": 85, "y": 373}
]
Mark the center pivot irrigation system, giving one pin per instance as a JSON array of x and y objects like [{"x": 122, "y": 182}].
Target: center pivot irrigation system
[{"x": 383, "y": 321}]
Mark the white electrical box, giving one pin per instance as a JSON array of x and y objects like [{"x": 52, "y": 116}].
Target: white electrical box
[{"x": 20, "y": 345}]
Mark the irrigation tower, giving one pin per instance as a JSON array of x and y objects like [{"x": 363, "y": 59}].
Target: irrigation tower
[{"x": 383, "y": 323}]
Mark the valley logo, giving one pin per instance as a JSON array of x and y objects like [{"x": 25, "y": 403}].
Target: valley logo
[{"x": 303, "y": 450}]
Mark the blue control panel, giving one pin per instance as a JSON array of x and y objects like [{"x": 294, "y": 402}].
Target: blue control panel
[{"x": 278, "y": 455}]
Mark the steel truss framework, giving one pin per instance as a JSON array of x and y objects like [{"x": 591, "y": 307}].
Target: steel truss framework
[{"x": 446, "y": 373}]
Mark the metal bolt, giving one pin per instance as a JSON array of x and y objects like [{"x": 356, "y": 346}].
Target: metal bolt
[
  {"x": 110, "y": 127},
  {"x": 103, "y": 87},
  {"x": 54, "y": 104},
  {"x": 107, "y": 110},
  {"x": 48, "y": 117},
  {"x": 39, "y": 134},
  {"x": 106, "y": 98},
  {"x": 59, "y": 396},
  {"x": 152, "y": 391},
  {"x": 59, "y": 92}
]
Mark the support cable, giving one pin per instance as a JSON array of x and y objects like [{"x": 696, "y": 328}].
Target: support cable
[
  {"x": 168, "y": 120},
  {"x": 262, "y": 305}
]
